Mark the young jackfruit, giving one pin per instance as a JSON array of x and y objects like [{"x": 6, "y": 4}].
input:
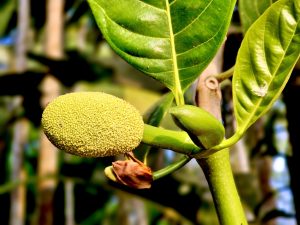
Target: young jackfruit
[{"x": 92, "y": 124}]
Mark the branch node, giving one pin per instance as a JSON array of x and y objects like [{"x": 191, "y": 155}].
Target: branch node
[{"x": 211, "y": 83}]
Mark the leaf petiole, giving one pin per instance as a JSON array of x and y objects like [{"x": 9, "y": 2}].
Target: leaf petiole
[
  {"x": 171, "y": 168},
  {"x": 224, "y": 75}
]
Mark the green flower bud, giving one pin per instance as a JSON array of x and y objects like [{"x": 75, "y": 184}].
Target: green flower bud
[
  {"x": 92, "y": 124},
  {"x": 204, "y": 129}
]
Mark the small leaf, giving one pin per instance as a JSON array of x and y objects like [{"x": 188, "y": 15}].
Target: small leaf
[
  {"x": 157, "y": 112},
  {"x": 172, "y": 41},
  {"x": 251, "y": 10},
  {"x": 265, "y": 61},
  {"x": 154, "y": 117}
]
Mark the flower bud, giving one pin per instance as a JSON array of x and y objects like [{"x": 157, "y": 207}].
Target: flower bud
[{"x": 204, "y": 129}]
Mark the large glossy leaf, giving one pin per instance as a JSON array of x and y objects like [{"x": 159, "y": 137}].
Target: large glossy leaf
[
  {"x": 265, "y": 61},
  {"x": 170, "y": 40},
  {"x": 250, "y": 10}
]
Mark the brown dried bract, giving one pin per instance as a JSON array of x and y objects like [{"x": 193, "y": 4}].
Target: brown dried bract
[{"x": 133, "y": 172}]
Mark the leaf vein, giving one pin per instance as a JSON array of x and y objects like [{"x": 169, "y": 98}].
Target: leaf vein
[
  {"x": 125, "y": 28},
  {"x": 196, "y": 46},
  {"x": 257, "y": 9},
  {"x": 180, "y": 69},
  {"x": 194, "y": 20},
  {"x": 155, "y": 7},
  {"x": 264, "y": 52},
  {"x": 173, "y": 2}
]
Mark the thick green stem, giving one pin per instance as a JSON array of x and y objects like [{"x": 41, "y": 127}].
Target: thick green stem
[
  {"x": 178, "y": 141},
  {"x": 218, "y": 173}
]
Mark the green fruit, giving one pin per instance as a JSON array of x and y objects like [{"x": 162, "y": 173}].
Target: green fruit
[
  {"x": 92, "y": 124},
  {"x": 204, "y": 129}
]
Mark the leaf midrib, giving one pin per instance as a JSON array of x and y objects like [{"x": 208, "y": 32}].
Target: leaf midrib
[{"x": 178, "y": 90}]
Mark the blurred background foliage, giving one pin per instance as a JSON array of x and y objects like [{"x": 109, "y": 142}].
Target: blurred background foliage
[{"x": 264, "y": 161}]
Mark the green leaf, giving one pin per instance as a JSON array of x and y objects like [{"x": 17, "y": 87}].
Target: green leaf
[
  {"x": 154, "y": 117},
  {"x": 250, "y": 10},
  {"x": 6, "y": 12},
  {"x": 171, "y": 40},
  {"x": 265, "y": 61},
  {"x": 157, "y": 112}
]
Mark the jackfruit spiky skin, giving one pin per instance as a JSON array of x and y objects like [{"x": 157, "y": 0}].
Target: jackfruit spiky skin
[{"x": 92, "y": 124}]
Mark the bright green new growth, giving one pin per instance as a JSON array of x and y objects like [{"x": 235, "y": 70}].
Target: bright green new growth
[
  {"x": 205, "y": 130},
  {"x": 92, "y": 124}
]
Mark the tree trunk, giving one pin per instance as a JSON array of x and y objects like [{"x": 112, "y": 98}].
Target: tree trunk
[
  {"x": 131, "y": 210},
  {"x": 291, "y": 94},
  {"x": 20, "y": 131},
  {"x": 48, "y": 157},
  {"x": 18, "y": 195},
  {"x": 69, "y": 202}
]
